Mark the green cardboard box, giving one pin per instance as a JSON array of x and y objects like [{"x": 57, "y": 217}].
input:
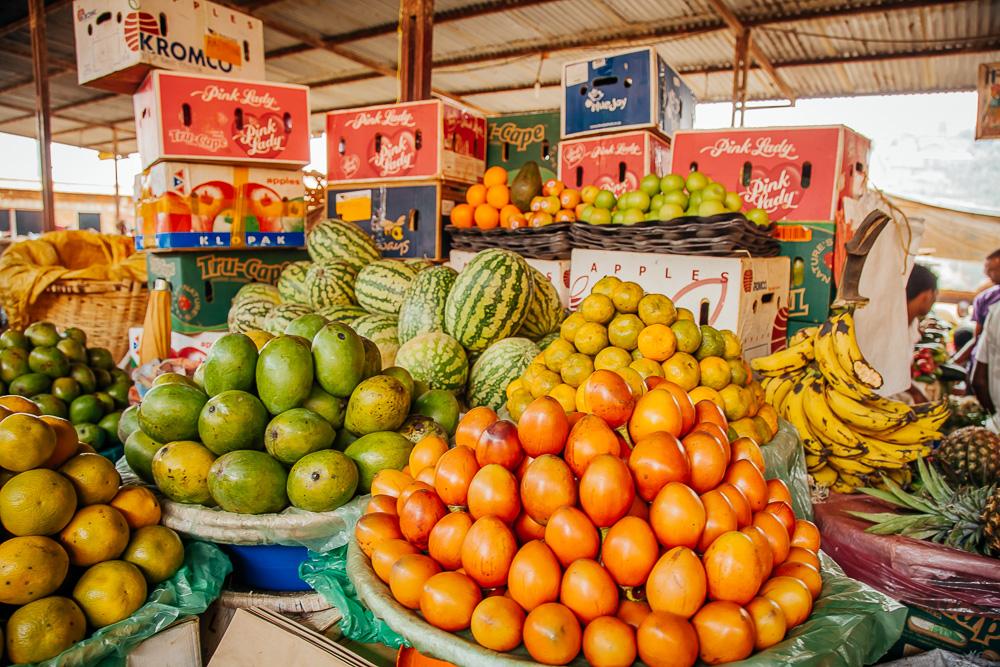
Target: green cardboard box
[
  {"x": 927, "y": 629},
  {"x": 809, "y": 246},
  {"x": 515, "y": 139},
  {"x": 203, "y": 283}
]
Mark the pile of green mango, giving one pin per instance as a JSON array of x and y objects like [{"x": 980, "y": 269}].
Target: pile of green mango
[{"x": 66, "y": 379}]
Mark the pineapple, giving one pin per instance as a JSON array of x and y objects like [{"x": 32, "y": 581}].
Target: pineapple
[
  {"x": 972, "y": 455},
  {"x": 967, "y": 519}
]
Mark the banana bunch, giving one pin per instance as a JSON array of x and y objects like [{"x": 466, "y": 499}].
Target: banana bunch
[{"x": 823, "y": 385}]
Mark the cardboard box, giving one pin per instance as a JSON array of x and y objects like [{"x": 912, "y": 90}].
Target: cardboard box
[
  {"x": 929, "y": 629},
  {"x": 185, "y": 205},
  {"x": 518, "y": 138},
  {"x": 747, "y": 295},
  {"x": 810, "y": 248},
  {"x": 190, "y": 117},
  {"x": 405, "y": 219},
  {"x": 203, "y": 284},
  {"x": 261, "y": 637},
  {"x": 178, "y": 645},
  {"x": 556, "y": 270},
  {"x": 794, "y": 173},
  {"x": 630, "y": 90},
  {"x": 430, "y": 139},
  {"x": 119, "y": 41},
  {"x": 615, "y": 162}
]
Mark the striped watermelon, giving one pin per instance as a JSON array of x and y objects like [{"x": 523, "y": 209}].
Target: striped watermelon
[
  {"x": 249, "y": 314},
  {"x": 330, "y": 283},
  {"x": 258, "y": 291},
  {"x": 343, "y": 313},
  {"x": 489, "y": 299},
  {"x": 281, "y": 315},
  {"x": 499, "y": 365},
  {"x": 545, "y": 310},
  {"x": 292, "y": 285},
  {"x": 423, "y": 304},
  {"x": 380, "y": 286},
  {"x": 436, "y": 359},
  {"x": 381, "y": 330},
  {"x": 418, "y": 264},
  {"x": 334, "y": 239}
]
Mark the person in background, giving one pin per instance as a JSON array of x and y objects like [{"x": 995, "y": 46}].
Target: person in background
[
  {"x": 921, "y": 293},
  {"x": 986, "y": 368},
  {"x": 991, "y": 295}
]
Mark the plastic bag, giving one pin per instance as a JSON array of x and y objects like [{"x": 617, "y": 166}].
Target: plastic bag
[
  {"x": 188, "y": 593},
  {"x": 327, "y": 574},
  {"x": 785, "y": 459},
  {"x": 916, "y": 572}
]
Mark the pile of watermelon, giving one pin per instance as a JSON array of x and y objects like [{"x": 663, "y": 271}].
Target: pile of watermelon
[{"x": 471, "y": 333}]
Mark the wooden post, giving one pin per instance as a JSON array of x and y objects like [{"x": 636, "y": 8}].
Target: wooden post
[
  {"x": 119, "y": 227},
  {"x": 741, "y": 73},
  {"x": 416, "y": 52},
  {"x": 39, "y": 61}
]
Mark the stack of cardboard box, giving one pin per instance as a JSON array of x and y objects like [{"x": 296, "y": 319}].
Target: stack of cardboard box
[{"x": 222, "y": 150}]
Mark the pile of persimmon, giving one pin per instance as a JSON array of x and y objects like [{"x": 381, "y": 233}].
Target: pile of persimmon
[{"x": 635, "y": 529}]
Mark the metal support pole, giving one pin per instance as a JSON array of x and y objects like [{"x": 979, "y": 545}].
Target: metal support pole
[
  {"x": 416, "y": 53},
  {"x": 39, "y": 61}
]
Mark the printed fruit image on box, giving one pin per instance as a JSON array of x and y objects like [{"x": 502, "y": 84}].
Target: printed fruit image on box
[
  {"x": 188, "y": 117},
  {"x": 183, "y": 205},
  {"x": 613, "y": 162},
  {"x": 519, "y": 138},
  {"x": 408, "y": 141}
]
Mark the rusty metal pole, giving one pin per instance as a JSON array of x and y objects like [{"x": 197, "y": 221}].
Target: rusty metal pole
[
  {"x": 416, "y": 52},
  {"x": 39, "y": 61}
]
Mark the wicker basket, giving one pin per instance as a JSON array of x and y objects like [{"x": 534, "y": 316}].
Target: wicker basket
[
  {"x": 549, "y": 242},
  {"x": 104, "y": 309}
]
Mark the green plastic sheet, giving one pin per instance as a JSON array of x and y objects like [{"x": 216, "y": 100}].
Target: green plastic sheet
[
  {"x": 785, "y": 459},
  {"x": 327, "y": 574},
  {"x": 188, "y": 593}
]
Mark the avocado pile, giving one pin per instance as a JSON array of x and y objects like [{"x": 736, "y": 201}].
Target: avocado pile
[
  {"x": 298, "y": 421},
  {"x": 66, "y": 379}
]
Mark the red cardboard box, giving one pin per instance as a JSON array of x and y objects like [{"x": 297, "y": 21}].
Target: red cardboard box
[
  {"x": 616, "y": 162},
  {"x": 194, "y": 118},
  {"x": 796, "y": 174},
  {"x": 430, "y": 139}
]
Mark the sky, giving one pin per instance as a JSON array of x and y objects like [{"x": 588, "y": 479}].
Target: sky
[{"x": 922, "y": 148}]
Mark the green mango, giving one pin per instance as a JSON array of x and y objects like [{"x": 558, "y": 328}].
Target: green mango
[
  {"x": 232, "y": 420},
  {"x": 379, "y": 403},
  {"x": 170, "y": 412},
  {"x": 378, "y": 451},
  {"x": 248, "y": 482},
  {"x": 231, "y": 364},
  {"x": 339, "y": 356},
  {"x": 295, "y": 433},
  {"x": 284, "y": 373},
  {"x": 322, "y": 481}
]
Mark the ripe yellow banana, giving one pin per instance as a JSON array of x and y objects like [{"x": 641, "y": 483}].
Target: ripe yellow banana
[
  {"x": 802, "y": 334},
  {"x": 794, "y": 413},
  {"x": 864, "y": 415},
  {"x": 848, "y": 465},
  {"x": 836, "y": 375},
  {"x": 785, "y": 361},
  {"x": 915, "y": 433},
  {"x": 814, "y": 462},
  {"x": 825, "y": 476},
  {"x": 840, "y": 486},
  {"x": 845, "y": 346},
  {"x": 832, "y": 432},
  {"x": 778, "y": 388},
  {"x": 852, "y": 479}
]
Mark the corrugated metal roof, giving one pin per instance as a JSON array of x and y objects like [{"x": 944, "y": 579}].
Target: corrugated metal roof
[{"x": 494, "y": 52}]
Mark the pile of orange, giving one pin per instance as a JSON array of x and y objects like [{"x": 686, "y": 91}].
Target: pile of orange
[
  {"x": 557, "y": 203},
  {"x": 487, "y": 204},
  {"x": 633, "y": 528}
]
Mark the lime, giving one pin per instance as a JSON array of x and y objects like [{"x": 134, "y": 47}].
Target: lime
[
  {"x": 557, "y": 352},
  {"x": 606, "y": 285},
  {"x": 612, "y": 358},
  {"x": 627, "y": 297},
  {"x": 712, "y": 344},
  {"x": 570, "y": 326},
  {"x": 624, "y": 331},
  {"x": 591, "y": 338},
  {"x": 597, "y": 308},
  {"x": 688, "y": 335},
  {"x": 657, "y": 309},
  {"x": 576, "y": 369}
]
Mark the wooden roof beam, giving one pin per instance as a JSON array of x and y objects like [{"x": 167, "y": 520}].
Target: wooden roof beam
[
  {"x": 14, "y": 26},
  {"x": 738, "y": 29}
]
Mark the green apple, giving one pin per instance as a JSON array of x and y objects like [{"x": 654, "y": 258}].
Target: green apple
[
  {"x": 618, "y": 217},
  {"x": 677, "y": 198},
  {"x": 650, "y": 184},
  {"x": 669, "y": 212},
  {"x": 733, "y": 202},
  {"x": 585, "y": 212},
  {"x": 694, "y": 201},
  {"x": 652, "y": 216},
  {"x": 632, "y": 216},
  {"x": 625, "y": 201},
  {"x": 605, "y": 200},
  {"x": 759, "y": 217},
  {"x": 656, "y": 202},
  {"x": 713, "y": 192},
  {"x": 600, "y": 216},
  {"x": 640, "y": 200},
  {"x": 696, "y": 181},
  {"x": 711, "y": 207},
  {"x": 671, "y": 182}
]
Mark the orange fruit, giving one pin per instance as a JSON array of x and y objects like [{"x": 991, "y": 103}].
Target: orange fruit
[
  {"x": 507, "y": 213},
  {"x": 476, "y": 194},
  {"x": 807, "y": 574},
  {"x": 541, "y": 219},
  {"x": 553, "y": 187},
  {"x": 666, "y": 640},
  {"x": 497, "y": 623},
  {"x": 495, "y": 175},
  {"x": 552, "y": 634},
  {"x": 732, "y": 568},
  {"x": 792, "y": 596},
  {"x": 462, "y": 216},
  {"x": 408, "y": 576},
  {"x": 806, "y": 535},
  {"x": 657, "y": 342},
  {"x": 550, "y": 205},
  {"x": 536, "y": 204},
  {"x": 800, "y": 555},
  {"x": 425, "y": 454},
  {"x": 138, "y": 505},
  {"x": 448, "y": 600},
  {"x": 725, "y": 632},
  {"x": 569, "y": 198},
  {"x": 517, "y": 221},
  {"x": 677, "y": 583},
  {"x": 565, "y": 216},
  {"x": 609, "y": 642},
  {"x": 486, "y": 217},
  {"x": 498, "y": 196},
  {"x": 768, "y": 622},
  {"x": 66, "y": 441},
  {"x": 776, "y": 533}
]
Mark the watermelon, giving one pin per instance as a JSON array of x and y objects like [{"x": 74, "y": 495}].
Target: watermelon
[
  {"x": 330, "y": 283},
  {"x": 292, "y": 284},
  {"x": 343, "y": 313},
  {"x": 423, "y": 304},
  {"x": 499, "y": 365},
  {"x": 333, "y": 239},
  {"x": 436, "y": 359},
  {"x": 249, "y": 314},
  {"x": 418, "y": 264},
  {"x": 380, "y": 286},
  {"x": 545, "y": 310},
  {"x": 489, "y": 299},
  {"x": 258, "y": 291},
  {"x": 547, "y": 339},
  {"x": 381, "y": 330},
  {"x": 282, "y": 315}
]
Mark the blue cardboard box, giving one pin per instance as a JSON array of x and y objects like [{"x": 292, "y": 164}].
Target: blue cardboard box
[{"x": 624, "y": 91}]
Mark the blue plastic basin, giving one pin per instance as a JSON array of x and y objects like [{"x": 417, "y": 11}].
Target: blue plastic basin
[{"x": 268, "y": 567}]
